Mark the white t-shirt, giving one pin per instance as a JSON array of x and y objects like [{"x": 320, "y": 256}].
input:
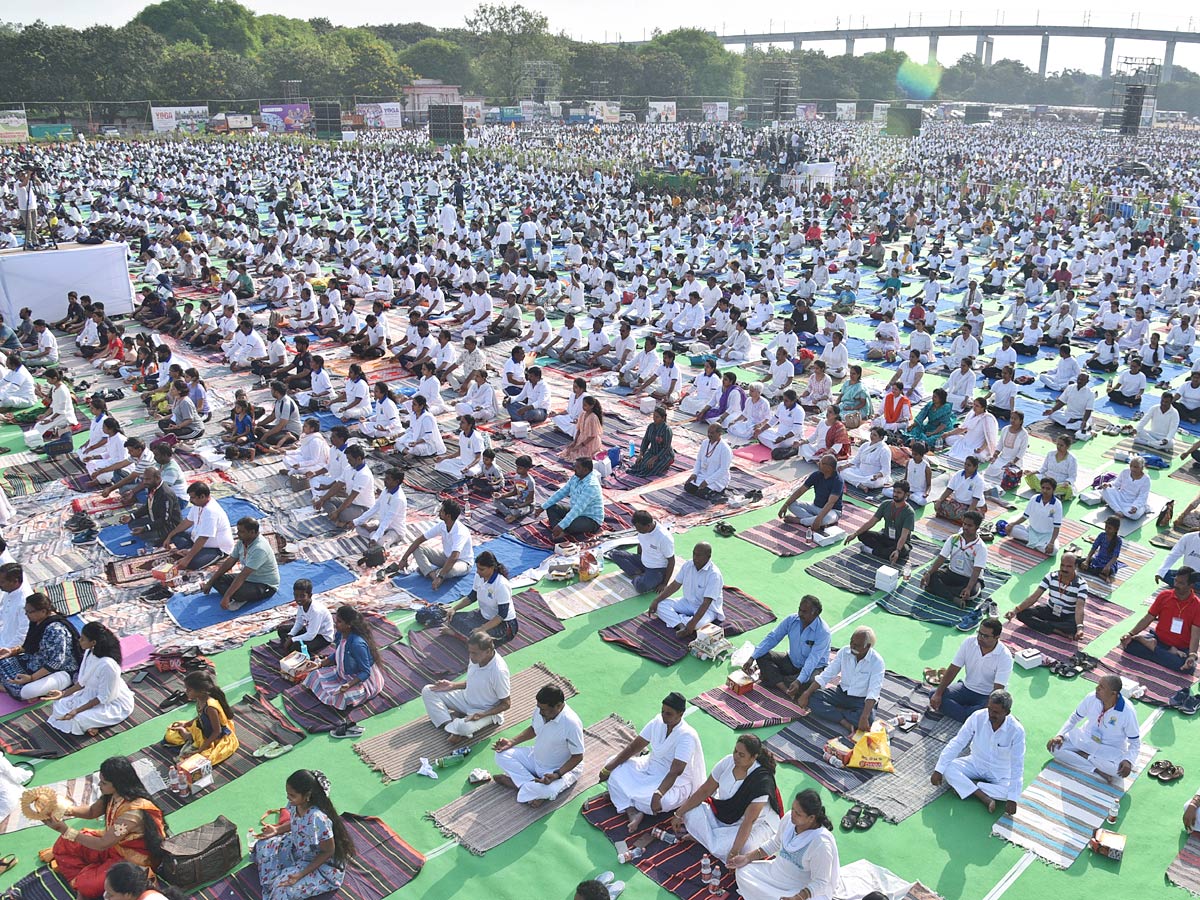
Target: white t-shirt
[
  {"x": 983, "y": 672},
  {"x": 558, "y": 740},
  {"x": 658, "y": 547},
  {"x": 487, "y": 685},
  {"x": 212, "y": 522}
]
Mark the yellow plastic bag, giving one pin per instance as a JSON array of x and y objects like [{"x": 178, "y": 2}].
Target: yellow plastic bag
[{"x": 872, "y": 751}]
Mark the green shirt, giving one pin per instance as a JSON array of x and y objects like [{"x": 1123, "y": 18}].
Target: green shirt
[
  {"x": 896, "y": 520},
  {"x": 259, "y": 558}
]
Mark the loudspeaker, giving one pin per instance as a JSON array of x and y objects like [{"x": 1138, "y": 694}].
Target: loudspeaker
[
  {"x": 1131, "y": 108},
  {"x": 446, "y": 123},
  {"x": 327, "y": 117},
  {"x": 903, "y": 122},
  {"x": 976, "y": 114}
]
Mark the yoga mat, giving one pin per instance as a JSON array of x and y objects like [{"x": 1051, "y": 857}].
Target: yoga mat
[
  {"x": 192, "y": 612},
  {"x": 1097, "y": 515},
  {"x": 1188, "y": 472},
  {"x": 516, "y": 555},
  {"x": 778, "y": 537},
  {"x": 652, "y": 639},
  {"x": 760, "y": 708},
  {"x": 43, "y": 884},
  {"x": 854, "y": 568},
  {"x": 916, "y": 603},
  {"x": 673, "y": 867},
  {"x": 135, "y": 650},
  {"x": 70, "y": 598},
  {"x": 1127, "y": 446},
  {"x": 1014, "y": 556},
  {"x": 1160, "y": 683},
  {"x": 754, "y": 453},
  {"x": 1184, "y": 870},
  {"x": 677, "y": 502},
  {"x": 1059, "y": 812},
  {"x": 907, "y": 791},
  {"x": 383, "y": 862},
  {"x": 618, "y": 518},
  {"x": 584, "y": 597},
  {"x": 264, "y": 658},
  {"x": 1133, "y": 557},
  {"x": 1105, "y": 406},
  {"x": 256, "y": 722},
  {"x": 1098, "y": 617},
  {"x": 802, "y": 743},
  {"x": 81, "y": 791},
  {"x": 398, "y": 752},
  {"x": 490, "y": 815},
  {"x": 118, "y": 540}
]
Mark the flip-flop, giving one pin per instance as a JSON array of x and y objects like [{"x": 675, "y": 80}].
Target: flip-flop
[
  {"x": 870, "y": 815},
  {"x": 7, "y": 862},
  {"x": 261, "y": 752},
  {"x": 275, "y": 750},
  {"x": 850, "y": 819},
  {"x": 1157, "y": 768},
  {"x": 931, "y": 676},
  {"x": 1172, "y": 774},
  {"x": 172, "y": 700}
]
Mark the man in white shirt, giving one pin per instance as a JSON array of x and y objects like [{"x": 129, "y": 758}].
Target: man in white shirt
[
  {"x": 479, "y": 701},
  {"x": 652, "y": 565},
  {"x": 701, "y": 600},
  {"x": 860, "y": 670},
  {"x": 313, "y": 627},
  {"x": 445, "y": 550},
  {"x": 956, "y": 573},
  {"x": 993, "y": 768},
  {"x": 1102, "y": 736},
  {"x": 1157, "y": 428},
  {"x": 1073, "y": 408},
  {"x": 211, "y": 534},
  {"x": 988, "y": 664},
  {"x": 359, "y": 481},
  {"x": 554, "y": 763},
  {"x": 641, "y": 784},
  {"x": 390, "y": 511},
  {"x": 13, "y": 590}
]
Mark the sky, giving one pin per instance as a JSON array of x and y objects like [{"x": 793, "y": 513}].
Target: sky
[{"x": 635, "y": 19}]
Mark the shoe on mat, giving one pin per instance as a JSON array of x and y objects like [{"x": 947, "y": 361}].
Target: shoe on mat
[
  {"x": 85, "y": 537},
  {"x": 605, "y": 878},
  {"x": 346, "y": 731}
]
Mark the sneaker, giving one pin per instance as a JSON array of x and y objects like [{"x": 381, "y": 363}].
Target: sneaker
[
  {"x": 90, "y": 536},
  {"x": 84, "y": 524}
]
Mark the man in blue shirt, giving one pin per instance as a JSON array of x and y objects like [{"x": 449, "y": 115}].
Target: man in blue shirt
[
  {"x": 585, "y": 514},
  {"x": 826, "y": 508},
  {"x": 808, "y": 650}
]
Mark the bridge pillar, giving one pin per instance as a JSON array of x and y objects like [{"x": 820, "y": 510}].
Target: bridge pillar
[
  {"x": 933, "y": 42},
  {"x": 1168, "y": 62},
  {"x": 796, "y": 45},
  {"x": 1045, "y": 55},
  {"x": 849, "y": 46},
  {"x": 889, "y": 43},
  {"x": 1110, "y": 44},
  {"x": 980, "y": 42},
  {"x": 749, "y": 45},
  {"x": 987, "y": 51}
]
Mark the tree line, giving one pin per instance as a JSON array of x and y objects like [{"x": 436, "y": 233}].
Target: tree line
[{"x": 182, "y": 51}]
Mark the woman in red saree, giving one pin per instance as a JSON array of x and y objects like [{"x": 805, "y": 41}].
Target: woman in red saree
[{"x": 133, "y": 832}]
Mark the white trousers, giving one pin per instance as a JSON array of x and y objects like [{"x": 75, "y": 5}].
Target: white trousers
[
  {"x": 1100, "y": 758},
  {"x": 55, "y": 681},
  {"x": 680, "y": 611},
  {"x": 448, "y": 710},
  {"x": 965, "y": 778},
  {"x": 519, "y": 765},
  {"x": 631, "y": 786}
]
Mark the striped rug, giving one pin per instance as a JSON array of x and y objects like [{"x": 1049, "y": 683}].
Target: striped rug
[
  {"x": 1188, "y": 472},
  {"x": 1160, "y": 683},
  {"x": 1127, "y": 447},
  {"x": 398, "y": 752},
  {"x": 777, "y": 537},
  {"x": 853, "y": 569},
  {"x": 1099, "y": 616},
  {"x": 761, "y": 708},
  {"x": 383, "y": 862},
  {"x": 490, "y": 814},
  {"x": 82, "y": 791},
  {"x": 673, "y": 867},
  {"x": 1184, "y": 870},
  {"x": 1018, "y": 558},
  {"x": 677, "y": 502},
  {"x": 584, "y": 597},
  {"x": 1133, "y": 557},
  {"x": 916, "y": 603},
  {"x": 652, "y": 639},
  {"x": 1059, "y": 812}
]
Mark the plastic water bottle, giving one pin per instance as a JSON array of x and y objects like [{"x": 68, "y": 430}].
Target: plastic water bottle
[
  {"x": 173, "y": 780},
  {"x": 304, "y": 650},
  {"x": 454, "y": 758},
  {"x": 632, "y": 449},
  {"x": 705, "y": 868},
  {"x": 1114, "y": 811},
  {"x": 666, "y": 835},
  {"x": 631, "y": 855},
  {"x": 714, "y": 881},
  {"x": 251, "y": 840},
  {"x": 181, "y": 782}
]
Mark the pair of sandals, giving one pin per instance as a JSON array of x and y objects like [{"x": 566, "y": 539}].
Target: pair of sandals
[
  {"x": 860, "y": 817},
  {"x": 271, "y": 750},
  {"x": 1075, "y": 666},
  {"x": 934, "y": 676},
  {"x": 609, "y": 880},
  {"x": 1165, "y": 771},
  {"x": 724, "y": 529},
  {"x": 172, "y": 700}
]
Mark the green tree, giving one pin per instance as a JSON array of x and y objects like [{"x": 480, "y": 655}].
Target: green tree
[
  {"x": 438, "y": 58},
  {"x": 220, "y": 24},
  {"x": 188, "y": 73},
  {"x": 713, "y": 71},
  {"x": 664, "y": 73},
  {"x": 509, "y": 35}
]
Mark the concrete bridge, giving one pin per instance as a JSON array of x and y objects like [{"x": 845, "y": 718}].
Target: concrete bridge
[{"x": 984, "y": 36}]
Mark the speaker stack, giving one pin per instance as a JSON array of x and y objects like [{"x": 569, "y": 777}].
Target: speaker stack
[
  {"x": 327, "y": 119},
  {"x": 903, "y": 122},
  {"x": 446, "y": 123}
]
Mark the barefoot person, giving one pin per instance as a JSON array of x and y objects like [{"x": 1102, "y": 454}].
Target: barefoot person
[
  {"x": 991, "y": 771},
  {"x": 807, "y": 653},
  {"x": 1102, "y": 736},
  {"x": 462, "y": 708},
  {"x": 555, "y": 761}
]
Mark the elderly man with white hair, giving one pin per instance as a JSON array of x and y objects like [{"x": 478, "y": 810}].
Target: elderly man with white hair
[
  {"x": 871, "y": 466},
  {"x": 859, "y": 670},
  {"x": 754, "y": 417},
  {"x": 991, "y": 769},
  {"x": 1129, "y": 494},
  {"x": 1102, "y": 735}
]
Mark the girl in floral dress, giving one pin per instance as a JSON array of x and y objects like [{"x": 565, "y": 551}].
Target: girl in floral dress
[{"x": 306, "y": 854}]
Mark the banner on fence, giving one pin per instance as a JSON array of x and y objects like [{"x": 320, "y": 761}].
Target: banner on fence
[
  {"x": 14, "y": 126},
  {"x": 662, "y": 111},
  {"x": 879, "y": 113},
  {"x": 287, "y": 117},
  {"x": 381, "y": 115},
  {"x": 237, "y": 122},
  {"x": 806, "y": 111},
  {"x": 188, "y": 119},
  {"x": 716, "y": 111},
  {"x": 847, "y": 112},
  {"x": 473, "y": 109}
]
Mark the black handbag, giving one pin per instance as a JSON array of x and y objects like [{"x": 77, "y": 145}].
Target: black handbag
[{"x": 204, "y": 854}]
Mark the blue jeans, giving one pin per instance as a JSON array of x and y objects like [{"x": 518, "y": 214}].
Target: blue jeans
[
  {"x": 531, "y": 414},
  {"x": 631, "y": 564},
  {"x": 1160, "y": 654},
  {"x": 206, "y": 556},
  {"x": 959, "y": 702},
  {"x": 835, "y": 704}
]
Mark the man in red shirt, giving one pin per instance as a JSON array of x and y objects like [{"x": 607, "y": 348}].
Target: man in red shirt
[{"x": 1176, "y": 634}]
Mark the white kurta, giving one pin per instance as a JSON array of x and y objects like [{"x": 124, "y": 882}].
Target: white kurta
[
  {"x": 101, "y": 680},
  {"x": 812, "y": 862},
  {"x": 717, "y": 837},
  {"x": 633, "y": 783}
]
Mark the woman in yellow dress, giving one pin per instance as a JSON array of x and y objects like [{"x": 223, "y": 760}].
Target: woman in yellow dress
[{"x": 211, "y": 733}]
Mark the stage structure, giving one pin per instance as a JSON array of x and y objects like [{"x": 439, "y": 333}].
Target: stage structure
[
  {"x": 41, "y": 279},
  {"x": 1134, "y": 95}
]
